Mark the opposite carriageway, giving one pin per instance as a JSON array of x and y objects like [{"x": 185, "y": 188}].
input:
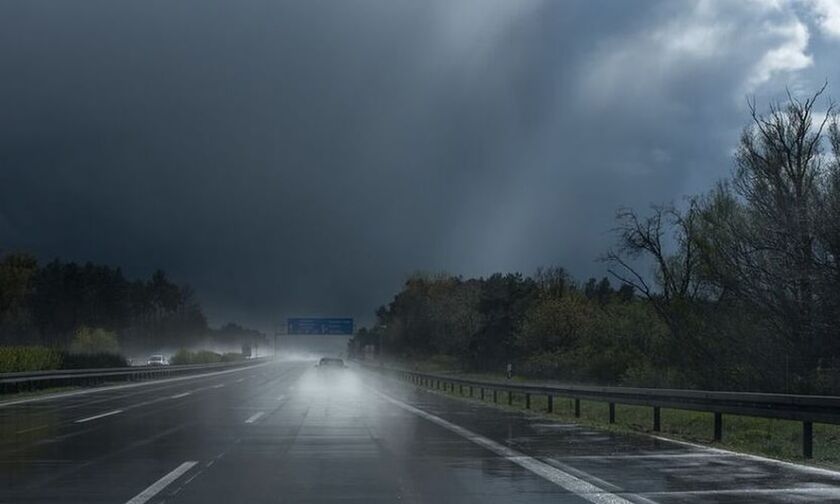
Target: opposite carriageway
[{"x": 35, "y": 380}]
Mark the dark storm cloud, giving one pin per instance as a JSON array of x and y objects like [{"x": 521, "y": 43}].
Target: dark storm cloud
[{"x": 292, "y": 158}]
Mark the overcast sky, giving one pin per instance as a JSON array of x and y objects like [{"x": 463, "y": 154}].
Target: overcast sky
[{"x": 302, "y": 158}]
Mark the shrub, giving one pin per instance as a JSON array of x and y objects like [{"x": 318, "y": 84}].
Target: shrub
[
  {"x": 181, "y": 357},
  {"x": 184, "y": 356},
  {"x": 92, "y": 360},
  {"x": 206, "y": 357},
  {"x": 28, "y": 358},
  {"x": 88, "y": 340},
  {"x": 232, "y": 357}
]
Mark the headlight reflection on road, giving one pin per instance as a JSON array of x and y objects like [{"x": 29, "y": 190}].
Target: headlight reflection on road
[{"x": 328, "y": 382}]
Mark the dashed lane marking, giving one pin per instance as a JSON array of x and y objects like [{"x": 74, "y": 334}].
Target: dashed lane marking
[
  {"x": 96, "y": 417},
  {"x": 256, "y": 416},
  {"x": 156, "y": 487}
]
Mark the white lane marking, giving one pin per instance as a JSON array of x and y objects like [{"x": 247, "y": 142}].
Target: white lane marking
[
  {"x": 178, "y": 396},
  {"x": 579, "y": 487},
  {"x": 823, "y": 491},
  {"x": 281, "y": 397},
  {"x": 162, "y": 483},
  {"x": 88, "y": 419},
  {"x": 61, "y": 395},
  {"x": 240, "y": 380},
  {"x": 758, "y": 458},
  {"x": 24, "y": 431},
  {"x": 218, "y": 386},
  {"x": 256, "y": 416},
  {"x": 604, "y": 484},
  {"x": 651, "y": 456}
]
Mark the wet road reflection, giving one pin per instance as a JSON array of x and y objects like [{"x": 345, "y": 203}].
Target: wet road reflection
[{"x": 290, "y": 432}]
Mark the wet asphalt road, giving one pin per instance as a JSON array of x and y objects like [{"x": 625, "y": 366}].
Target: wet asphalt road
[{"x": 285, "y": 433}]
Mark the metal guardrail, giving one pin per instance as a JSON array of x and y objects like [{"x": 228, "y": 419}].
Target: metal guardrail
[
  {"x": 808, "y": 409},
  {"x": 34, "y": 380}
]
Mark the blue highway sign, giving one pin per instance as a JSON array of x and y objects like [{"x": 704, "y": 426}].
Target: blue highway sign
[{"x": 319, "y": 326}]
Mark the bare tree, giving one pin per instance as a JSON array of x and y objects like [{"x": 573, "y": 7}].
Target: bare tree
[
  {"x": 666, "y": 239},
  {"x": 675, "y": 276},
  {"x": 764, "y": 237},
  {"x": 779, "y": 166}
]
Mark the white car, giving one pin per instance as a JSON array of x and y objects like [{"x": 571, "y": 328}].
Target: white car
[{"x": 157, "y": 360}]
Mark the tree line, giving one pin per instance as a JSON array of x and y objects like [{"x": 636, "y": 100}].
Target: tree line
[
  {"x": 58, "y": 303},
  {"x": 737, "y": 288}
]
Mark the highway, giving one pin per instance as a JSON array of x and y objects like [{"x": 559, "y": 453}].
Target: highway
[{"x": 287, "y": 433}]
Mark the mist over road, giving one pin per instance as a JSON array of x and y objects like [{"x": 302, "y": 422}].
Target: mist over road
[{"x": 288, "y": 432}]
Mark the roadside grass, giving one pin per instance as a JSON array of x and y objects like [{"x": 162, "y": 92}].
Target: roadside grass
[{"x": 778, "y": 439}]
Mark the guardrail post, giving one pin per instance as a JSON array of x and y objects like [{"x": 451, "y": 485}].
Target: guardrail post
[
  {"x": 807, "y": 440},
  {"x": 718, "y": 426},
  {"x": 527, "y": 401},
  {"x": 656, "y": 424},
  {"x": 495, "y": 395},
  {"x": 482, "y": 393},
  {"x": 577, "y": 408},
  {"x": 510, "y": 398},
  {"x": 612, "y": 412},
  {"x": 461, "y": 388},
  {"x": 550, "y": 399}
]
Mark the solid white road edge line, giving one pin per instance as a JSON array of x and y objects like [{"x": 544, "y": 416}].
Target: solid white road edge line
[
  {"x": 579, "y": 487},
  {"x": 758, "y": 458},
  {"x": 783, "y": 463},
  {"x": 162, "y": 483},
  {"x": 256, "y": 416},
  {"x": 88, "y": 419},
  {"x": 822, "y": 491},
  {"x": 61, "y": 395}
]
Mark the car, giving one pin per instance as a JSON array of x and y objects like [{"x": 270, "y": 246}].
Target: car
[
  {"x": 157, "y": 360},
  {"x": 331, "y": 363}
]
